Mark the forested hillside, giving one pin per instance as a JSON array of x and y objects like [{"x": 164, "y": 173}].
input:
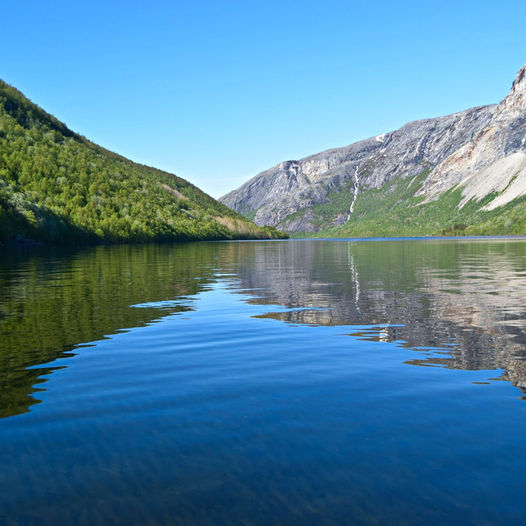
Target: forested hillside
[{"x": 58, "y": 187}]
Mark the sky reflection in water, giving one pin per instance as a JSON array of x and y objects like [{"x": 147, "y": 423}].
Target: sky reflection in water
[{"x": 264, "y": 382}]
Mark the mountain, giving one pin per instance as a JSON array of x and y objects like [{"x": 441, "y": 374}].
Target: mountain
[
  {"x": 460, "y": 174},
  {"x": 58, "y": 187}
]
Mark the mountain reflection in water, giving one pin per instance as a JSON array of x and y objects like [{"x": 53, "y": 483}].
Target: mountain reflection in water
[
  {"x": 464, "y": 299},
  {"x": 264, "y": 383}
]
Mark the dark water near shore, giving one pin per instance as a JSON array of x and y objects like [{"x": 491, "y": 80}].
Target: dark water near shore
[{"x": 296, "y": 382}]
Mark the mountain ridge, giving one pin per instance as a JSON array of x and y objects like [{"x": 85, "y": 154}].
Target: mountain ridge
[
  {"x": 56, "y": 186},
  {"x": 301, "y": 196}
]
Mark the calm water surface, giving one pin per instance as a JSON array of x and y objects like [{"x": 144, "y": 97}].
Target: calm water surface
[{"x": 299, "y": 382}]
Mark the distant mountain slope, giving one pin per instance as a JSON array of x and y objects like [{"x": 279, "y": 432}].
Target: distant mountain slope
[
  {"x": 463, "y": 173},
  {"x": 56, "y": 186}
]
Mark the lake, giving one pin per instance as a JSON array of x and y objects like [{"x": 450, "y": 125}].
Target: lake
[{"x": 286, "y": 382}]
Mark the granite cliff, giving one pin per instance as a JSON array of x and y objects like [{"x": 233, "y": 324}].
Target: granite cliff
[{"x": 434, "y": 167}]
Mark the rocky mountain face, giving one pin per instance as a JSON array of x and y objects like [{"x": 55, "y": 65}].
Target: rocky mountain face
[
  {"x": 494, "y": 160},
  {"x": 481, "y": 150}
]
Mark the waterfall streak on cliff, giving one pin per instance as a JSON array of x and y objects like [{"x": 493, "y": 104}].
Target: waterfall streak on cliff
[{"x": 355, "y": 194}]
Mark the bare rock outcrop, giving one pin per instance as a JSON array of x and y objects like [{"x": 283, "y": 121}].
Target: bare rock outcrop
[
  {"x": 483, "y": 150},
  {"x": 494, "y": 160}
]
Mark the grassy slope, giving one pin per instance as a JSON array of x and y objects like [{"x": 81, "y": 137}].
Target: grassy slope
[
  {"x": 394, "y": 210},
  {"x": 56, "y": 186}
]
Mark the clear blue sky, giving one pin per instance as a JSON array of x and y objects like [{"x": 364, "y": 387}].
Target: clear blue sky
[{"x": 218, "y": 91}]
